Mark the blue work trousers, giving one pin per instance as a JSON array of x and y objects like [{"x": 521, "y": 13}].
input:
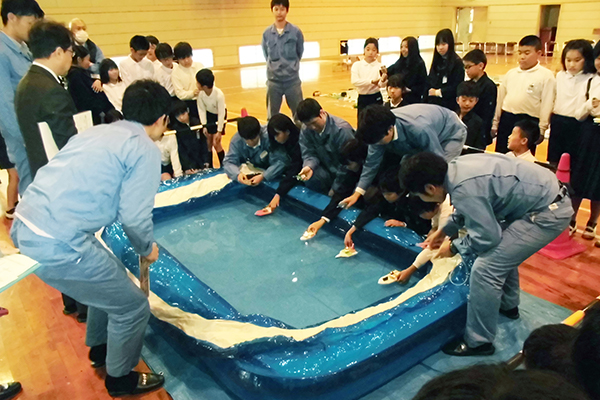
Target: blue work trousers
[
  {"x": 495, "y": 273},
  {"x": 118, "y": 310}
]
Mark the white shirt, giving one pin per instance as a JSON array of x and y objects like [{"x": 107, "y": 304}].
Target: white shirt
[
  {"x": 163, "y": 75},
  {"x": 570, "y": 93},
  {"x": 132, "y": 71},
  {"x": 215, "y": 104},
  {"x": 527, "y": 156},
  {"x": 169, "y": 153},
  {"x": 529, "y": 92},
  {"x": 363, "y": 73},
  {"x": 114, "y": 92},
  {"x": 587, "y": 108},
  {"x": 184, "y": 81},
  {"x": 49, "y": 70}
]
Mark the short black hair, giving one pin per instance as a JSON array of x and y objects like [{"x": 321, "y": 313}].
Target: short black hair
[
  {"x": 285, "y": 3},
  {"x": 530, "y": 130},
  {"x": 178, "y": 107},
  {"x": 248, "y": 127},
  {"x": 152, "y": 40},
  {"x": 371, "y": 40},
  {"x": 145, "y": 101},
  {"x": 496, "y": 382},
  {"x": 419, "y": 206},
  {"x": 112, "y": 116},
  {"x": 182, "y": 50},
  {"x": 21, "y": 8},
  {"x": 308, "y": 109},
  {"x": 139, "y": 42},
  {"x": 281, "y": 123},
  {"x": 549, "y": 348},
  {"x": 389, "y": 182},
  {"x": 374, "y": 122},
  {"x": 531, "y": 40},
  {"x": 476, "y": 56},
  {"x": 467, "y": 89},
  {"x": 106, "y": 65},
  {"x": 586, "y": 352},
  {"x": 46, "y": 36},
  {"x": 396, "y": 81},
  {"x": 422, "y": 169},
  {"x": 205, "y": 77},
  {"x": 163, "y": 51},
  {"x": 79, "y": 52},
  {"x": 585, "y": 49}
]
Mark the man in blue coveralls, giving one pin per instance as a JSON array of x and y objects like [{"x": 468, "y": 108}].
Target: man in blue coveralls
[
  {"x": 108, "y": 173},
  {"x": 406, "y": 131},
  {"x": 511, "y": 209},
  {"x": 18, "y": 16},
  {"x": 283, "y": 46}
]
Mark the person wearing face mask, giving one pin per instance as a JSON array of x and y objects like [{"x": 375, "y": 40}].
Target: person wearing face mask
[
  {"x": 79, "y": 30},
  {"x": 80, "y": 87},
  {"x": 447, "y": 71}
]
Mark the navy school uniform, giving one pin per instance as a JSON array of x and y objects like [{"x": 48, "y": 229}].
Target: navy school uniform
[
  {"x": 192, "y": 147},
  {"x": 475, "y": 135},
  {"x": 486, "y": 105}
]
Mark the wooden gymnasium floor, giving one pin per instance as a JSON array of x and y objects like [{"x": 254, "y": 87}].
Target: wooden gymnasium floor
[{"x": 45, "y": 351}]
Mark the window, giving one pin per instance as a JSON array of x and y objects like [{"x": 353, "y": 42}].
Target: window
[
  {"x": 204, "y": 56},
  {"x": 390, "y": 44}
]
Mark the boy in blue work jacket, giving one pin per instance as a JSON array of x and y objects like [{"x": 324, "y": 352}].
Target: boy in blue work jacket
[
  {"x": 106, "y": 174},
  {"x": 250, "y": 146},
  {"x": 406, "y": 131},
  {"x": 511, "y": 208},
  {"x": 321, "y": 141},
  {"x": 282, "y": 45}
]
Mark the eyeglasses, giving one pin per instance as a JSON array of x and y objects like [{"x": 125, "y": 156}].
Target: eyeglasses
[{"x": 69, "y": 50}]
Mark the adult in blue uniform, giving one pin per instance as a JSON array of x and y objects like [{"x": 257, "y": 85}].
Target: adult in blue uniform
[
  {"x": 511, "y": 209},
  {"x": 321, "y": 141},
  {"x": 250, "y": 145},
  {"x": 406, "y": 131},
  {"x": 108, "y": 173},
  {"x": 18, "y": 16}
]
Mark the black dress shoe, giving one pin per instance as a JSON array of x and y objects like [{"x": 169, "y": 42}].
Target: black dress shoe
[
  {"x": 134, "y": 383},
  {"x": 97, "y": 356},
  {"x": 513, "y": 313},
  {"x": 460, "y": 348},
  {"x": 69, "y": 310},
  {"x": 81, "y": 318},
  {"x": 9, "y": 390}
]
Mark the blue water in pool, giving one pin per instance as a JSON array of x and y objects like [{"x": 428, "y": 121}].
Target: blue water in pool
[{"x": 260, "y": 265}]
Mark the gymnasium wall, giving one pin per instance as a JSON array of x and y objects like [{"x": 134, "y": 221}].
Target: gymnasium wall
[
  {"x": 225, "y": 25},
  {"x": 509, "y": 20}
]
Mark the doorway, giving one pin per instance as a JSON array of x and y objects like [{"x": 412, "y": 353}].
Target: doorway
[{"x": 548, "y": 26}]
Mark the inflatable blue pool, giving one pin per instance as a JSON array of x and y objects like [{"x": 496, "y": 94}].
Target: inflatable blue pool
[{"x": 273, "y": 317}]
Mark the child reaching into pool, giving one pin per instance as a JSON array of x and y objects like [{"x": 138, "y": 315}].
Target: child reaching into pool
[
  {"x": 284, "y": 138},
  {"x": 391, "y": 204},
  {"x": 438, "y": 214},
  {"x": 353, "y": 154}
]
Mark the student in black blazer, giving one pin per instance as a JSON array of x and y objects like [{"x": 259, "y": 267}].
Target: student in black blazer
[
  {"x": 447, "y": 71},
  {"x": 81, "y": 87},
  {"x": 40, "y": 95},
  {"x": 411, "y": 67}
]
